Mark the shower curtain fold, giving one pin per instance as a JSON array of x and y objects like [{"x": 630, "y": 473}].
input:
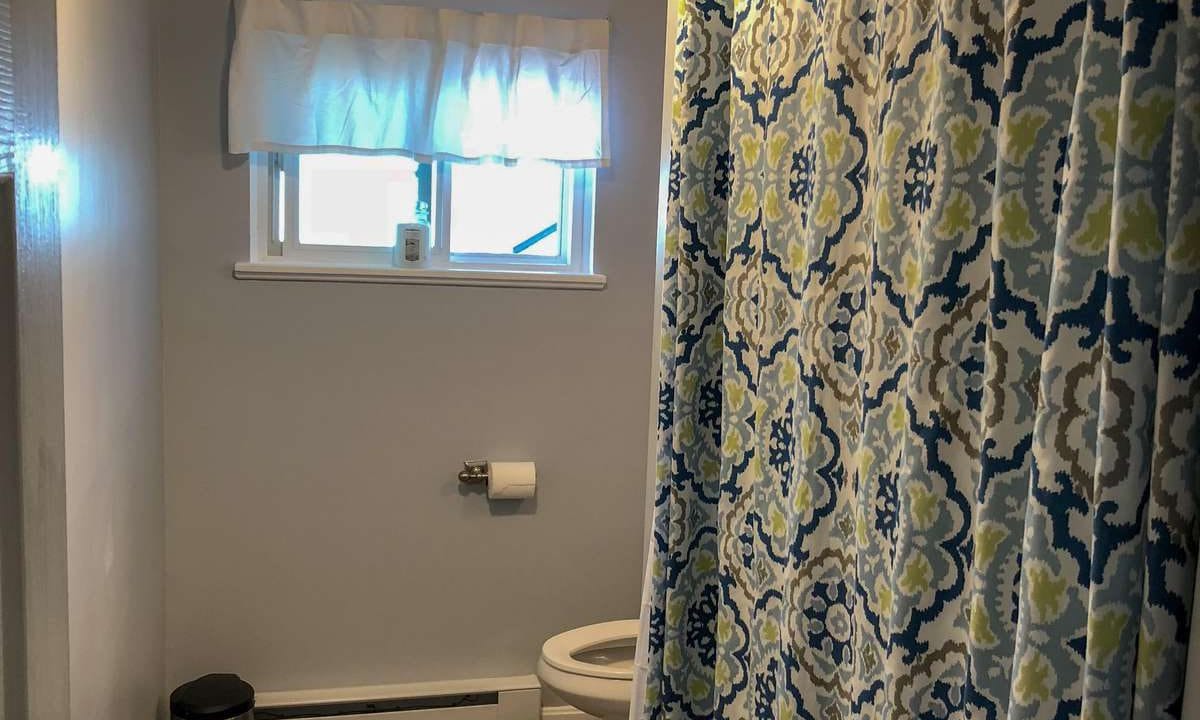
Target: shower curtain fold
[{"x": 929, "y": 403}]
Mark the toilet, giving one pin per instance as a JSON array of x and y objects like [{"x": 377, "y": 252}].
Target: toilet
[{"x": 592, "y": 667}]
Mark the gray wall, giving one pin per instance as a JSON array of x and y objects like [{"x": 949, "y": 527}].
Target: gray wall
[
  {"x": 112, "y": 372},
  {"x": 316, "y": 535}
]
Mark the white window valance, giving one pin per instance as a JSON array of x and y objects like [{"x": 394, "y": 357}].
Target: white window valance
[{"x": 332, "y": 76}]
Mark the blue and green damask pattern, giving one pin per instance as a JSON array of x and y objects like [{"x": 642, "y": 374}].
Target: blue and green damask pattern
[{"x": 930, "y": 398}]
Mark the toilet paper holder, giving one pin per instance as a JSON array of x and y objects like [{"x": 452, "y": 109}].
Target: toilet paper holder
[{"x": 474, "y": 472}]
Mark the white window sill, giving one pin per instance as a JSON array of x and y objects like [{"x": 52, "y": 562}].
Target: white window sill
[{"x": 418, "y": 276}]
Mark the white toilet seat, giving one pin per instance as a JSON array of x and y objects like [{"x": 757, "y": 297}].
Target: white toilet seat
[
  {"x": 602, "y": 689},
  {"x": 559, "y": 651}
]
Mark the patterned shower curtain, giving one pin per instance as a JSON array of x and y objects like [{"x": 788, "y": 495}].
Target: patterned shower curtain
[{"x": 930, "y": 391}]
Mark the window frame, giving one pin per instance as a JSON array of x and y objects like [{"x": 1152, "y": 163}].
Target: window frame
[{"x": 271, "y": 209}]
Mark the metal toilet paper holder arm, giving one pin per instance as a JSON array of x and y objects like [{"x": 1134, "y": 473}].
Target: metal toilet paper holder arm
[{"x": 474, "y": 472}]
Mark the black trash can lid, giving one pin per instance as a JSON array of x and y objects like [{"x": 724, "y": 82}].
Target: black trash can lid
[{"x": 212, "y": 697}]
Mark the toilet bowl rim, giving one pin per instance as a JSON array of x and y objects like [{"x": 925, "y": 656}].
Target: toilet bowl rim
[{"x": 558, "y": 652}]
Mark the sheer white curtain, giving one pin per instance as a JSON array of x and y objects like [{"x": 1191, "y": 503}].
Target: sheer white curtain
[{"x": 329, "y": 76}]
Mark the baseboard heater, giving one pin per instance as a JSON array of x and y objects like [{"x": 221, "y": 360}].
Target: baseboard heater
[{"x": 511, "y": 698}]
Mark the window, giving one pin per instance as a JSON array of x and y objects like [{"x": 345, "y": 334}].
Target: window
[
  {"x": 384, "y": 82},
  {"x": 343, "y": 211}
]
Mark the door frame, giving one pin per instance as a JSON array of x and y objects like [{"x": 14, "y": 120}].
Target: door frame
[{"x": 41, "y": 448}]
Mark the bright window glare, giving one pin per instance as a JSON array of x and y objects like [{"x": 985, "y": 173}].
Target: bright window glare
[
  {"x": 44, "y": 163},
  {"x": 354, "y": 199},
  {"x": 499, "y": 210}
]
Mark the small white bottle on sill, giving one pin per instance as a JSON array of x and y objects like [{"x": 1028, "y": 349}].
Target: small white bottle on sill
[{"x": 412, "y": 245}]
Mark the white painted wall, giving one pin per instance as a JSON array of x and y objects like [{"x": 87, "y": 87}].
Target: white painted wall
[
  {"x": 111, "y": 359},
  {"x": 316, "y": 535}
]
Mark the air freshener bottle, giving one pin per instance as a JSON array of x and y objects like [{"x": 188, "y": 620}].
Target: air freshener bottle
[{"x": 412, "y": 245}]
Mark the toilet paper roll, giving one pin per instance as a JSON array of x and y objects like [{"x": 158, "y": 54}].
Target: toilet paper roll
[{"x": 511, "y": 480}]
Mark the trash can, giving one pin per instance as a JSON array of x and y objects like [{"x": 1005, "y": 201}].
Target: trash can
[{"x": 219, "y": 696}]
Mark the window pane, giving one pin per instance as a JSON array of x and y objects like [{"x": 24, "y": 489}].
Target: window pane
[
  {"x": 499, "y": 210},
  {"x": 359, "y": 200}
]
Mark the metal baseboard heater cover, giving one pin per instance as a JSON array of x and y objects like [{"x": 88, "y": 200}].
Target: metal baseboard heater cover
[{"x": 511, "y": 698}]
